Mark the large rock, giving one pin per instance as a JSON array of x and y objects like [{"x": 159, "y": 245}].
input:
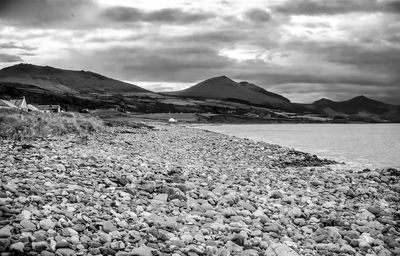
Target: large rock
[
  {"x": 46, "y": 224},
  {"x": 141, "y": 251},
  {"x": 279, "y": 249},
  {"x": 17, "y": 247},
  {"x": 27, "y": 224},
  {"x": 4, "y": 243},
  {"x": 65, "y": 252},
  {"x": 5, "y": 232},
  {"x": 40, "y": 246},
  {"x": 108, "y": 227}
]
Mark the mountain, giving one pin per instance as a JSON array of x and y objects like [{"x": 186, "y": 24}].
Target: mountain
[
  {"x": 224, "y": 88},
  {"x": 55, "y": 80},
  {"x": 355, "y": 105},
  {"x": 360, "y": 107},
  {"x": 73, "y": 90}
]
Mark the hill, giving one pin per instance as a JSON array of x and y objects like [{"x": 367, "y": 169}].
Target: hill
[
  {"x": 224, "y": 88},
  {"x": 73, "y": 90},
  {"x": 360, "y": 107},
  {"x": 55, "y": 80}
]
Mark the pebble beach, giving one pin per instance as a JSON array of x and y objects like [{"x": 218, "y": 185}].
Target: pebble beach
[{"x": 174, "y": 190}]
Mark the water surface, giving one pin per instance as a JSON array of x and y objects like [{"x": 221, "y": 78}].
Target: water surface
[{"x": 360, "y": 145}]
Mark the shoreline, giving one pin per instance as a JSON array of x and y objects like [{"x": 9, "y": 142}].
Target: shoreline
[
  {"x": 176, "y": 190},
  {"x": 321, "y": 150}
]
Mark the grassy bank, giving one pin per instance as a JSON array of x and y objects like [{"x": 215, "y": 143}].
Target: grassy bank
[{"x": 18, "y": 125}]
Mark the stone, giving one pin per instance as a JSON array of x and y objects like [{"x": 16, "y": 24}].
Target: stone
[
  {"x": 60, "y": 168},
  {"x": 107, "y": 251},
  {"x": 365, "y": 240},
  {"x": 276, "y": 195},
  {"x": 94, "y": 244},
  {"x": 47, "y": 253},
  {"x": 63, "y": 244},
  {"x": 396, "y": 188},
  {"x": 384, "y": 252},
  {"x": 19, "y": 246},
  {"x": 69, "y": 232},
  {"x": 295, "y": 212},
  {"x": 239, "y": 239},
  {"x": 160, "y": 199},
  {"x": 327, "y": 247},
  {"x": 117, "y": 245},
  {"x": 365, "y": 215},
  {"x": 25, "y": 215},
  {"x": 376, "y": 210},
  {"x": 258, "y": 213},
  {"x": 65, "y": 252},
  {"x": 40, "y": 246},
  {"x": 46, "y": 224},
  {"x": 347, "y": 249},
  {"x": 206, "y": 206},
  {"x": 79, "y": 227},
  {"x": 278, "y": 249},
  {"x": 333, "y": 233},
  {"x": 4, "y": 244},
  {"x": 272, "y": 228},
  {"x": 328, "y": 205},
  {"x": 108, "y": 227},
  {"x": 27, "y": 224},
  {"x": 249, "y": 252},
  {"x": 375, "y": 225},
  {"x": 186, "y": 238},
  {"x": 5, "y": 232},
  {"x": 141, "y": 251}
]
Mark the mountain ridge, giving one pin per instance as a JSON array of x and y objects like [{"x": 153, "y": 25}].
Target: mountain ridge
[
  {"x": 63, "y": 80},
  {"x": 77, "y": 89},
  {"x": 224, "y": 88}
]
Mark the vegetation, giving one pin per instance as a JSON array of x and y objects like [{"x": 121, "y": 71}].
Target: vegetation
[{"x": 18, "y": 125}]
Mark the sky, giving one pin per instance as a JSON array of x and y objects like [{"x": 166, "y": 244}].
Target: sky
[{"x": 302, "y": 49}]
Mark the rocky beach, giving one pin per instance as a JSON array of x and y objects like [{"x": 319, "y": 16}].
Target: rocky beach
[{"x": 174, "y": 190}]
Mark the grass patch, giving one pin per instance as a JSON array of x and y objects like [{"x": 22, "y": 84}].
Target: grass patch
[{"x": 18, "y": 125}]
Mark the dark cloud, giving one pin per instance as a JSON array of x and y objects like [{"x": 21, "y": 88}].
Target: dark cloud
[
  {"x": 41, "y": 13},
  {"x": 128, "y": 14},
  {"x": 10, "y": 58},
  {"x": 258, "y": 15},
  {"x": 214, "y": 38},
  {"x": 85, "y": 14},
  {"x": 175, "y": 63},
  {"x": 371, "y": 58},
  {"x": 301, "y": 75},
  {"x": 317, "y": 7},
  {"x": 393, "y": 6},
  {"x": 13, "y": 45}
]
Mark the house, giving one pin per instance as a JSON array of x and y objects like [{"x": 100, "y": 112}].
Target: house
[
  {"x": 6, "y": 104},
  {"x": 49, "y": 108},
  {"x": 32, "y": 108},
  {"x": 20, "y": 103}
]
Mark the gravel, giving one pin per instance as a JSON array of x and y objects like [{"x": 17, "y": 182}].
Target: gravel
[{"x": 181, "y": 191}]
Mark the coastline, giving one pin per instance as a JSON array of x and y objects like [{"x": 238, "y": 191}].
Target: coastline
[
  {"x": 177, "y": 190},
  {"x": 347, "y": 144}
]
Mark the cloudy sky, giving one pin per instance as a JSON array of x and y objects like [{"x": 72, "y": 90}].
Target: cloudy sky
[{"x": 302, "y": 49}]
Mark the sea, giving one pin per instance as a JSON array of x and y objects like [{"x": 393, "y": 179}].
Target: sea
[{"x": 357, "y": 145}]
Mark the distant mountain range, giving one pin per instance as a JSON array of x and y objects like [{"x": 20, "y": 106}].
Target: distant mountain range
[
  {"x": 84, "y": 89},
  {"x": 359, "y": 107},
  {"x": 225, "y": 88}
]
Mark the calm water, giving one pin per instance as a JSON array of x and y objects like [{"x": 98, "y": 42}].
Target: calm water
[{"x": 358, "y": 145}]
